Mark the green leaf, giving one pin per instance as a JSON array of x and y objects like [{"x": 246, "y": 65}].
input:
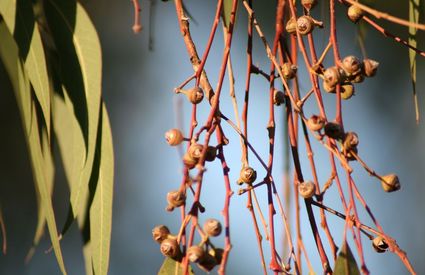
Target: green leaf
[
  {"x": 19, "y": 18},
  {"x": 79, "y": 52},
  {"x": 413, "y": 17},
  {"x": 33, "y": 132},
  {"x": 345, "y": 263},
  {"x": 101, "y": 185},
  {"x": 172, "y": 267},
  {"x": 227, "y": 10}
]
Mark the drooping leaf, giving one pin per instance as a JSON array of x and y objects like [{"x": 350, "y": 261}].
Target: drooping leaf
[
  {"x": 227, "y": 10},
  {"x": 345, "y": 263},
  {"x": 172, "y": 267},
  {"x": 20, "y": 20},
  {"x": 413, "y": 17},
  {"x": 101, "y": 186},
  {"x": 30, "y": 113},
  {"x": 80, "y": 73}
]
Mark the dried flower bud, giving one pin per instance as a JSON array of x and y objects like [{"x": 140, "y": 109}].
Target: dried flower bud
[
  {"x": 358, "y": 78},
  {"x": 316, "y": 123},
  {"x": 291, "y": 26},
  {"x": 390, "y": 183},
  {"x": 175, "y": 198},
  {"x": 351, "y": 140},
  {"x": 355, "y": 13},
  {"x": 351, "y": 65},
  {"x": 170, "y": 248},
  {"x": 174, "y": 137},
  {"x": 195, "y": 150},
  {"x": 289, "y": 70},
  {"x": 332, "y": 76},
  {"x": 379, "y": 244},
  {"x": 247, "y": 175},
  {"x": 189, "y": 161},
  {"x": 208, "y": 263},
  {"x": 212, "y": 227},
  {"x": 306, "y": 189},
  {"x": 278, "y": 98},
  {"x": 160, "y": 233},
  {"x": 211, "y": 153},
  {"x": 195, "y": 254},
  {"x": 334, "y": 130},
  {"x": 195, "y": 94},
  {"x": 305, "y": 24},
  {"x": 328, "y": 88},
  {"x": 347, "y": 91},
  {"x": 308, "y": 4},
  {"x": 370, "y": 67}
]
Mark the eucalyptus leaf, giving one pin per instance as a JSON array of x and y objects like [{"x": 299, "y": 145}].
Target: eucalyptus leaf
[
  {"x": 172, "y": 267},
  {"x": 413, "y": 17},
  {"x": 79, "y": 52},
  {"x": 9, "y": 54},
  {"x": 227, "y": 10},
  {"x": 345, "y": 263}
]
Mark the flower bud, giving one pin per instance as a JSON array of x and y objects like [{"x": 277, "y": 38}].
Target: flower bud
[
  {"x": 379, "y": 244},
  {"x": 306, "y": 189},
  {"x": 160, "y": 233},
  {"x": 170, "y": 248},
  {"x": 390, "y": 183},
  {"x": 195, "y": 254},
  {"x": 212, "y": 227}
]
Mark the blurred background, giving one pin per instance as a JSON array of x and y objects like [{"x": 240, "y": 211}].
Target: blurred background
[{"x": 139, "y": 75}]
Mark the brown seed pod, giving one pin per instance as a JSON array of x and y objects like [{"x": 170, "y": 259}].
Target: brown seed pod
[
  {"x": 174, "y": 137},
  {"x": 390, "y": 183},
  {"x": 291, "y": 26},
  {"x": 347, "y": 91},
  {"x": 316, "y": 123},
  {"x": 306, "y": 189},
  {"x": 355, "y": 13},
  {"x": 351, "y": 140},
  {"x": 358, "y": 78},
  {"x": 160, "y": 233},
  {"x": 379, "y": 244},
  {"x": 170, "y": 248},
  {"x": 175, "y": 198},
  {"x": 195, "y": 94},
  {"x": 328, "y": 88},
  {"x": 308, "y": 4},
  {"x": 247, "y": 175},
  {"x": 370, "y": 67},
  {"x": 278, "y": 98},
  {"x": 195, "y": 254},
  {"x": 208, "y": 263},
  {"x": 305, "y": 24},
  {"x": 334, "y": 130},
  {"x": 289, "y": 70},
  {"x": 212, "y": 227},
  {"x": 351, "y": 65},
  {"x": 211, "y": 153},
  {"x": 189, "y": 161},
  {"x": 195, "y": 150},
  {"x": 332, "y": 76}
]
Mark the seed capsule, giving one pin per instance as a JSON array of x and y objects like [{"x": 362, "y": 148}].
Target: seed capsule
[
  {"x": 355, "y": 13},
  {"x": 291, "y": 26},
  {"x": 211, "y": 153},
  {"x": 170, "y": 248},
  {"x": 370, "y": 67},
  {"x": 347, "y": 91},
  {"x": 358, "y": 78},
  {"x": 351, "y": 140},
  {"x": 306, "y": 189},
  {"x": 328, "y": 88},
  {"x": 247, "y": 175},
  {"x": 175, "y": 198},
  {"x": 332, "y": 76},
  {"x": 160, "y": 233},
  {"x": 195, "y": 254},
  {"x": 278, "y": 98},
  {"x": 379, "y": 244},
  {"x": 208, "y": 263},
  {"x": 289, "y": 70},
  {"x": 189, "y": 161},
  {"x": 305, "y": 25},
  {"x": 212, "y": 227},
  {"x": 390, "y": 183},
  {"x": 174, "y": 137},
  {"x": 351, "y": 65},
  {"x": 195, "y": 150},
  {"x": 195, "y": 94},
  {"x": 334, "y": 130},
  {"x": 316, "y": 123}
]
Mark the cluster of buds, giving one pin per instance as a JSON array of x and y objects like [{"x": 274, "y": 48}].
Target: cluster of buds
[
  {"x": 168, "y": 243},
  {"x": 352, "y": 70},
  {"x": 194, "y": 153},
  {"x": 175, "y": 199},
  {"x": 304, "y": 25}
]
